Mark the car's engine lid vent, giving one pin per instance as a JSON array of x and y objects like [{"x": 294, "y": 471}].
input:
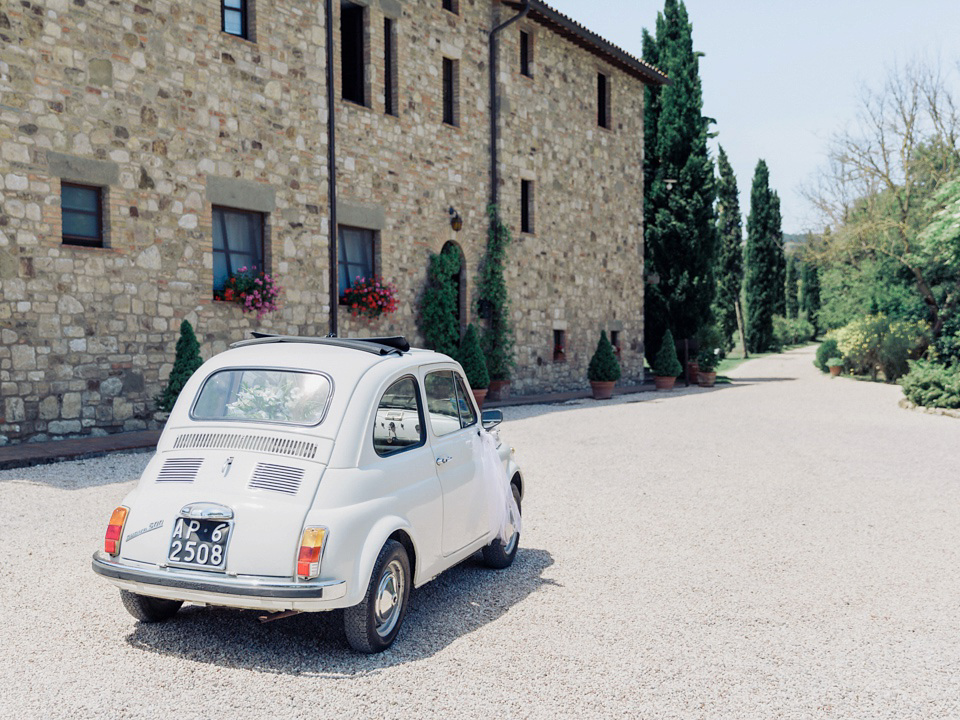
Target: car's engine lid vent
[
  {"x": 180, "y": 470},
  {"x": 256, "y": 443},
  {"x": 278, "y": 478}
]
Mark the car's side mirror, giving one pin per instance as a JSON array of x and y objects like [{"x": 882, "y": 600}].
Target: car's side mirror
[{"x": 491, "y": 418}]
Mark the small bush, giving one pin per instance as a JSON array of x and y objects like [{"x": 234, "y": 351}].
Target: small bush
[
  {"x": 471, "y": 359},
  {"x": 666, "y": 363},
  {"x": 604, "y": 366},
  {"x": 185, "y": 363},
  {"x": 875, "y": 343},
  {"x": 828, "y": 349},
  {"x": 948, "y": 344},
  {"x": 791, "y": 331},
  {"x": 932, "y": 385}
]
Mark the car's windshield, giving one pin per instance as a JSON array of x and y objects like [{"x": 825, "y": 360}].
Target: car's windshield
[{"x": 283, "y": 396}]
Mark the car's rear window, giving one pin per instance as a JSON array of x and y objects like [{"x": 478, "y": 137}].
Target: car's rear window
[{"x": 282, "y": 396}]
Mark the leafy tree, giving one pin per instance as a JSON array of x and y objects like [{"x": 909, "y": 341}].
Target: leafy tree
[
  {"x": 185, "y": 363},
  {"x": 730, "y": 265},
  {"x": 666, "y": 363},
  {"x": 793, "y": 302},
  {"x": 604, "y": 366},
  {"x": 470, "y": 356},
  {"x": 680, "y": 235},
  {"x": 493, "y": 303},
  {"x": 438, "y": 306},
  {"x": 764, "y": 285},
  {"x": 810, "y": 301}
]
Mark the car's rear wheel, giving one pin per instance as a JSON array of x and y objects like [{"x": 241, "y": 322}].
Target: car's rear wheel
[
  {"x": 149, "y": 609},
  {"x": 372, "y": 626},
  {"x": 496, "y": 554}
]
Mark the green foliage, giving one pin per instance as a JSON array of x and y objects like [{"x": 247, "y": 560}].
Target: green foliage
[
  {"x": 709, "y": 358},
  {"x": 666, "y": 363},
  {"x": 876, "y": 342},
  {"x": 730, "y": 265},
  {"x": 680, "y": 234},
  {"x": 932, "y": 385},
  {"x": 185, "y": 363},
  {"x": 604, "y": 366},
  {"x": 764, "y": 281},
  {"x": 790, "y": 331},
  {"x": 947, "y": 346},
  {"x": 869, "y": 286},
  {"x": 834, "y": 362},
  {"x": 810, "y": 296},
  {"x": 470, "y": 356},
  {"x": 493, "y": 303},
  {"x": 828, "y": 349},
  {"x": 438, "y": 306},
  {"x": 793, "y": 301}
]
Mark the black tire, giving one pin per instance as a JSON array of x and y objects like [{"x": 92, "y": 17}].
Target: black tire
[
  {"x": 149, "y": 609},
  {"x": 371, "y": 626},
  {"x": 497, "y": 556}
]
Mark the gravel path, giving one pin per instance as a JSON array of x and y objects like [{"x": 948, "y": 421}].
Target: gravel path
[{"x": 787, "y": 546}]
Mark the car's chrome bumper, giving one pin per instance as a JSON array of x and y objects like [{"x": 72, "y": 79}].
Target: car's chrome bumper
[{"x": 241, "y": 592}]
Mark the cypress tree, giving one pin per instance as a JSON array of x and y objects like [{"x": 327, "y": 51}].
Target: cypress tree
[
  {"x": 793, "y": 303},
  {"x": 730, "y": 265},
  {"x": 470, "y": 357},
  {"x": 780, "y": 307},
  {"x": 763, "y": 283},
  {"x": 493, "y": 302},
  {"x": 810, "y": 299},
  {"x": 185, "y": 363},
  {"x": 680, "y": 235},
  {"x": 438, "y": 306}
]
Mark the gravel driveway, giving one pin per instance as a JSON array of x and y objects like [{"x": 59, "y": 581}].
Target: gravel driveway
[{"x": 786, "y": 546}]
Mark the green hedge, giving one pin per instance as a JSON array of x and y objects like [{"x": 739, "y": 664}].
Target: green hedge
[{"x": 932, "y": 385}]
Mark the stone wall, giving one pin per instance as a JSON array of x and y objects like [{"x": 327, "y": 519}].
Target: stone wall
[{"x": 152, "y": 102}]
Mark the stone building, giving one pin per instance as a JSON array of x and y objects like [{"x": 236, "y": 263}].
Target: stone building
[{"x": 149, "y": 149}]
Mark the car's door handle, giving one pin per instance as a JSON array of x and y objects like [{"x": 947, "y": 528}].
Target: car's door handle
[{"x": 444, "y": 459}]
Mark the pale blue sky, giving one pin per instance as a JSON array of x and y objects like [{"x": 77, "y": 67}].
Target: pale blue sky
[{"x": 780, "y": 77}]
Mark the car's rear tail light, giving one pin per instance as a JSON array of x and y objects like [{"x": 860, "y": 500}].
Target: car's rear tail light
[
  {"x": 311, "y": 550},
  {"x": 111, "y": 543}
]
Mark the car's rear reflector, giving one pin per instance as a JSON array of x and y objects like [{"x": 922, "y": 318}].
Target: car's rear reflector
[
  {"x": 111, "y": 542},
  {"x": 311, "y": 550}
]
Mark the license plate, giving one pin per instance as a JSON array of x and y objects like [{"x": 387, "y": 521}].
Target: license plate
[{"x": 199, "y": 543}]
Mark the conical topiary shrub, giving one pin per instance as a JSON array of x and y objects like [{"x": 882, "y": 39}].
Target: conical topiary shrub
[
  {"x": 185, "y": 364},
  {"x": 470, "y": 356},
  {"x": 604, "y": 366},
  {"x": 666, "y": 363}
]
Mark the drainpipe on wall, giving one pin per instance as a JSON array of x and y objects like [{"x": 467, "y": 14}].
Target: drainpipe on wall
[
  {"x": 495, "y": 100},
  {"x": 332, "y": 173}
]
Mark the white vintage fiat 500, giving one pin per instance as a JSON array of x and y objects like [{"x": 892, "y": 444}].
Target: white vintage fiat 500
[{"x": 308, "y": 474}]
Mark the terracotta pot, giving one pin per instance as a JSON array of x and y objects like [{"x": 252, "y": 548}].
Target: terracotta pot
[
  {"x": 664, "y": 382},
  {"x": 498, "y": 390},
  {"x": 836, "y": 370},
  {"x": 480, "y": 395},
  {"x": 602, "y": 390},
  {"x": 706, "y": 378},
  {"x": 693, "y": 367}
]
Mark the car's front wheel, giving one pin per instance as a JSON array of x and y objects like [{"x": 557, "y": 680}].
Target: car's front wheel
[
  {"x": 496, "y": 554},
  {"x": 372, "y": 626},
  {"x": 149, "y": 609}
]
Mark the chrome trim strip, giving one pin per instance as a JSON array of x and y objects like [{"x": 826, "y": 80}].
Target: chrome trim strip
[{"x": 222, "y": 585}]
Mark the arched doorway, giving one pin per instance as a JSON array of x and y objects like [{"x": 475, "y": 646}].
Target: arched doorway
[{"x": 459, "y": 281}]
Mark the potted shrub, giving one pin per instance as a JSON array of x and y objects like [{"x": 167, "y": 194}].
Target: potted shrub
[
  {"x": 836, "y": 366},
  {"x": 470, "y": 356},
  {"x": 604, "y": 370},
  {"x": 666, "y": 365},
  {"x": 707, "y": 360}
]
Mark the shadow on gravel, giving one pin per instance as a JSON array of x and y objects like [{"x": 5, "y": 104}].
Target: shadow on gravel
[
  {"x": 113, "y": 469},
  {"x": 458, "y": 602}
]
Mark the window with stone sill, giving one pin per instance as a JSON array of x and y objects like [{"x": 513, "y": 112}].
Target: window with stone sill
[
  {"x": 237, "y": 244},
  {"x": 355, "y": 256},
  {"x": 451, "y": 92},
  {"x": 353, "y": 53},
  {"x": 526, "y": 54},
  {"x": 235, "y": 17},
  {"x": 615, "y": 341},
  {"x": 81, "y": 208},
  {"x": 603, "y": 101},
  {"x": 526, "y": 206},
  {"x": 559, "y": 346}
]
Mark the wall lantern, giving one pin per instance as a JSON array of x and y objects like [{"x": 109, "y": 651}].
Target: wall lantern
[{"x": 456, "y": 222}]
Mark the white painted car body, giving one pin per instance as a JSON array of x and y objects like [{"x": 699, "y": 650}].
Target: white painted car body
[{"x": 435, "y": 507}]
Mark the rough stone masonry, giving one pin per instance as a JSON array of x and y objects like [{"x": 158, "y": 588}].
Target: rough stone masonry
[{"x": 170, "y": 117}]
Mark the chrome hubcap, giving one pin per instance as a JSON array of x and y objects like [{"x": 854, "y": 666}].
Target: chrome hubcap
[{"x": 389, "y": 599}]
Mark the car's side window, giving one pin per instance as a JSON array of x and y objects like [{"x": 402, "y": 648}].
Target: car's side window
[
  {"x": 399, "y": 422},
  {"x": 442, "y": 402},
  {"x": 468, "y": 415}
]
